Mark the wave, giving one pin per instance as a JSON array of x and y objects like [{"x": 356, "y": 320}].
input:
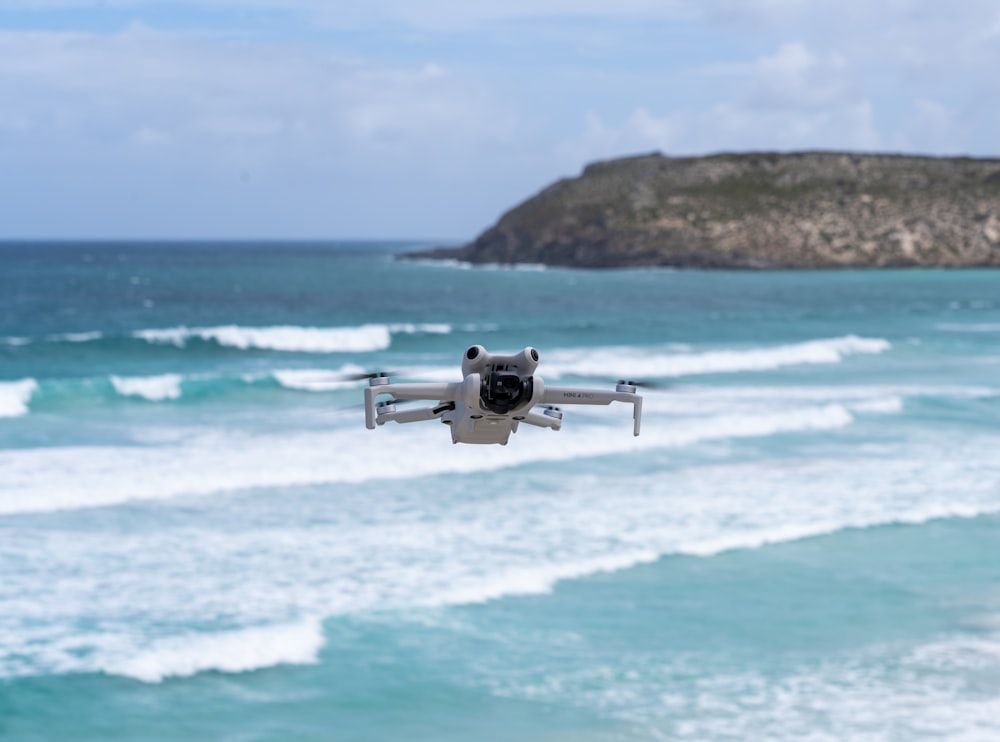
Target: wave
[
  {"x": 900, "y": 689},
  {"x": 47, "y": 479},
  {"x": 608, "y": 362},
  {"x": 972, "y": 327},
  {"x": 284, "y": 338},
  {"x": 536, "y": 581},
  {"x": 425, "y": 583},
  {"x": 64, "y": 337},
  {"x": 426, "y": 544},
  {"x": 152, "y": 388},
  {"x": 466, "y": 265},
  {"x": 55, "y": 394},
  {"x": 241, "y": 650},
  {"x": 290, "y": 338},
  {"x": 15, "y": 396},
  {"x": 75, "y": 337},
  {"x": 315, "y": 380}
]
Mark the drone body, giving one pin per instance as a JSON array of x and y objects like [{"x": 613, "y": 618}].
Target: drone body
[{"x": 498, "y": 392}]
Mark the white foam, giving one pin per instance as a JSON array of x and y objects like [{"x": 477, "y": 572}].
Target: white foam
[
  {"x": 45, "y": 479},
  {"x": 529, "y": 267},
  {"x": 15, "y": 396},
  {"x": 445, "y": 541},
  {"x": 410, "y": 328},
  {"x": 884, "y": 405},
  {"x": 235, "y": 651},
  {"x": 971, "y": 327},
  {"x": 312, "y": 380},
  {"x": 534, "y": 580},
  {"x": 76, "y": 337},
  {"x": 152, "y": 388},
  {"x": 290, "y": 338},
  {"x": 616, "y": 361},
  {"x": 880, "y": 692}
]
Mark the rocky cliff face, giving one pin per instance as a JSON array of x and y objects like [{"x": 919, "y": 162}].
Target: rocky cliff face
[{"x": 805, "y": 210}]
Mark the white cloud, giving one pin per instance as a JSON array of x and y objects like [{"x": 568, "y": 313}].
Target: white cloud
[
  {"x": 168, "y": 119},
  {"x": 847, "y": 127},
  {"x": 455, "y": 106},
  {"x": 146, "y": 136},
  {"x": 641, "y": 131},
  {"x": 110, "y": 87},
  {"x": 793, "y": 78}
]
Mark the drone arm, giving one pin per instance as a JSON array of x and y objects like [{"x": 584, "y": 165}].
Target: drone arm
[
  {"x": 429, "y": 392},
  {"x": 563, "y": 395},
  {"x": 413, "y": 416}
]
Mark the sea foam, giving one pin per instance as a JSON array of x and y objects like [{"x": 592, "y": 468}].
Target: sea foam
[
  {"x": 152, "y": 388},
  {"x": 56, "y": 478},
  {"x": 241, "y": 650},
  {"x": 15, "y": 396},
  {"x": 315, "y": 380},
  {"x": 291, "y": 338},
  {"x": 638, "y": 364},
  {"x": 438, "y": 543}
]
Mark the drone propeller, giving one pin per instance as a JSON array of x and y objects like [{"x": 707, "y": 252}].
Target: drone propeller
[
  {"x": 647, "y": 384},
  {"x": 364, "y": 376}
]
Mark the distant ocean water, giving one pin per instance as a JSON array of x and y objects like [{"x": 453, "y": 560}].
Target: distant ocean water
[{"x": 200, "y": 540}]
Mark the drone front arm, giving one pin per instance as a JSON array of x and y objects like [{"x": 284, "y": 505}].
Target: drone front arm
[
  {"x": 417, "y": 415},
  {"x": 563, "y": 395},
  {"x": 430, "y": 392}
]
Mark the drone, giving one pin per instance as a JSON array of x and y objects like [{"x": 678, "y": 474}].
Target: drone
[{"x": 497, "y": 394}]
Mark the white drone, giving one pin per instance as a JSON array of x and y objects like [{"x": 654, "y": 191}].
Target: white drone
[{"x": 498, "y": 393}]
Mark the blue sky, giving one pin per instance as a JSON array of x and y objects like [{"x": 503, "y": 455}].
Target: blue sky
[{"x": 395, "y": 119}]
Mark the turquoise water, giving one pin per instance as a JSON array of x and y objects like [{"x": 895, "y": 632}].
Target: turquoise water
[{"x": 199, "y": 539}]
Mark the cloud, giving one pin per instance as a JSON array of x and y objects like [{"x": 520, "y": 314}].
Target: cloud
[
  {"x": 794, "y": 78},
  {"x": 188, "y": 90},
  {"x": 440, "y": 112},
  {"x": 792, "y": 98},
  {"x": 98, "y": 121},
  {"x": 641, "y": 131}
]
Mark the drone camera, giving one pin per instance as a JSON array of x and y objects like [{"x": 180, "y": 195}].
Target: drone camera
[{"x": 503, "y": 391}]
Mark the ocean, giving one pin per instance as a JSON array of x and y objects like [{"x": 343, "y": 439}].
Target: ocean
[{"x": 199, "y": 539}]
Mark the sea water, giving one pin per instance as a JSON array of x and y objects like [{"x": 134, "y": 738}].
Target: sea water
[{"x": 199, "y": 539}]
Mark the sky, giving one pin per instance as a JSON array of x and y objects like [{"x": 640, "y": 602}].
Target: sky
[{"x": 398, "y": 119}]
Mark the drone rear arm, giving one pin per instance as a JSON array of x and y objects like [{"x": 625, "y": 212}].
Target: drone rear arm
[{"x": 563, "y": 395}]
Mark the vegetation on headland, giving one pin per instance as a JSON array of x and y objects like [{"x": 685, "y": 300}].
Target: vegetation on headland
[{"x": 755, "y": 210}]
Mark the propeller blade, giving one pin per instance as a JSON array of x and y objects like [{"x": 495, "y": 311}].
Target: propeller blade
[
  {"x": 648, "y": 384},
  {"x": 364, "y": 376}
]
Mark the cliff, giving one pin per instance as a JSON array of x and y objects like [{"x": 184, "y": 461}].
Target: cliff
[{"x": 755, "y": 210}]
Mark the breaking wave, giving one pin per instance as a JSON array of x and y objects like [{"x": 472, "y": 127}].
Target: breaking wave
[
  {"x": 606, "y": 362},
  {"x": 153, "y": 388},
  {"x": 39, "y": 480},
  {"x": 241, "y": 650},
  {"x": 15, "y": 396},
  {"x": 290, "y": 338},
  {"x": 285, "y": 338}
]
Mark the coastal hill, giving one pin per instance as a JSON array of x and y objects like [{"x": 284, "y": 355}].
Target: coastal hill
[{"x": 755, "y": 210}]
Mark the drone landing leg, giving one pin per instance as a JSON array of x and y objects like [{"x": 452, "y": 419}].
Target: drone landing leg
[
  {"x": 541, "y": 420},
  {"x": 577, "y": 395}
]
